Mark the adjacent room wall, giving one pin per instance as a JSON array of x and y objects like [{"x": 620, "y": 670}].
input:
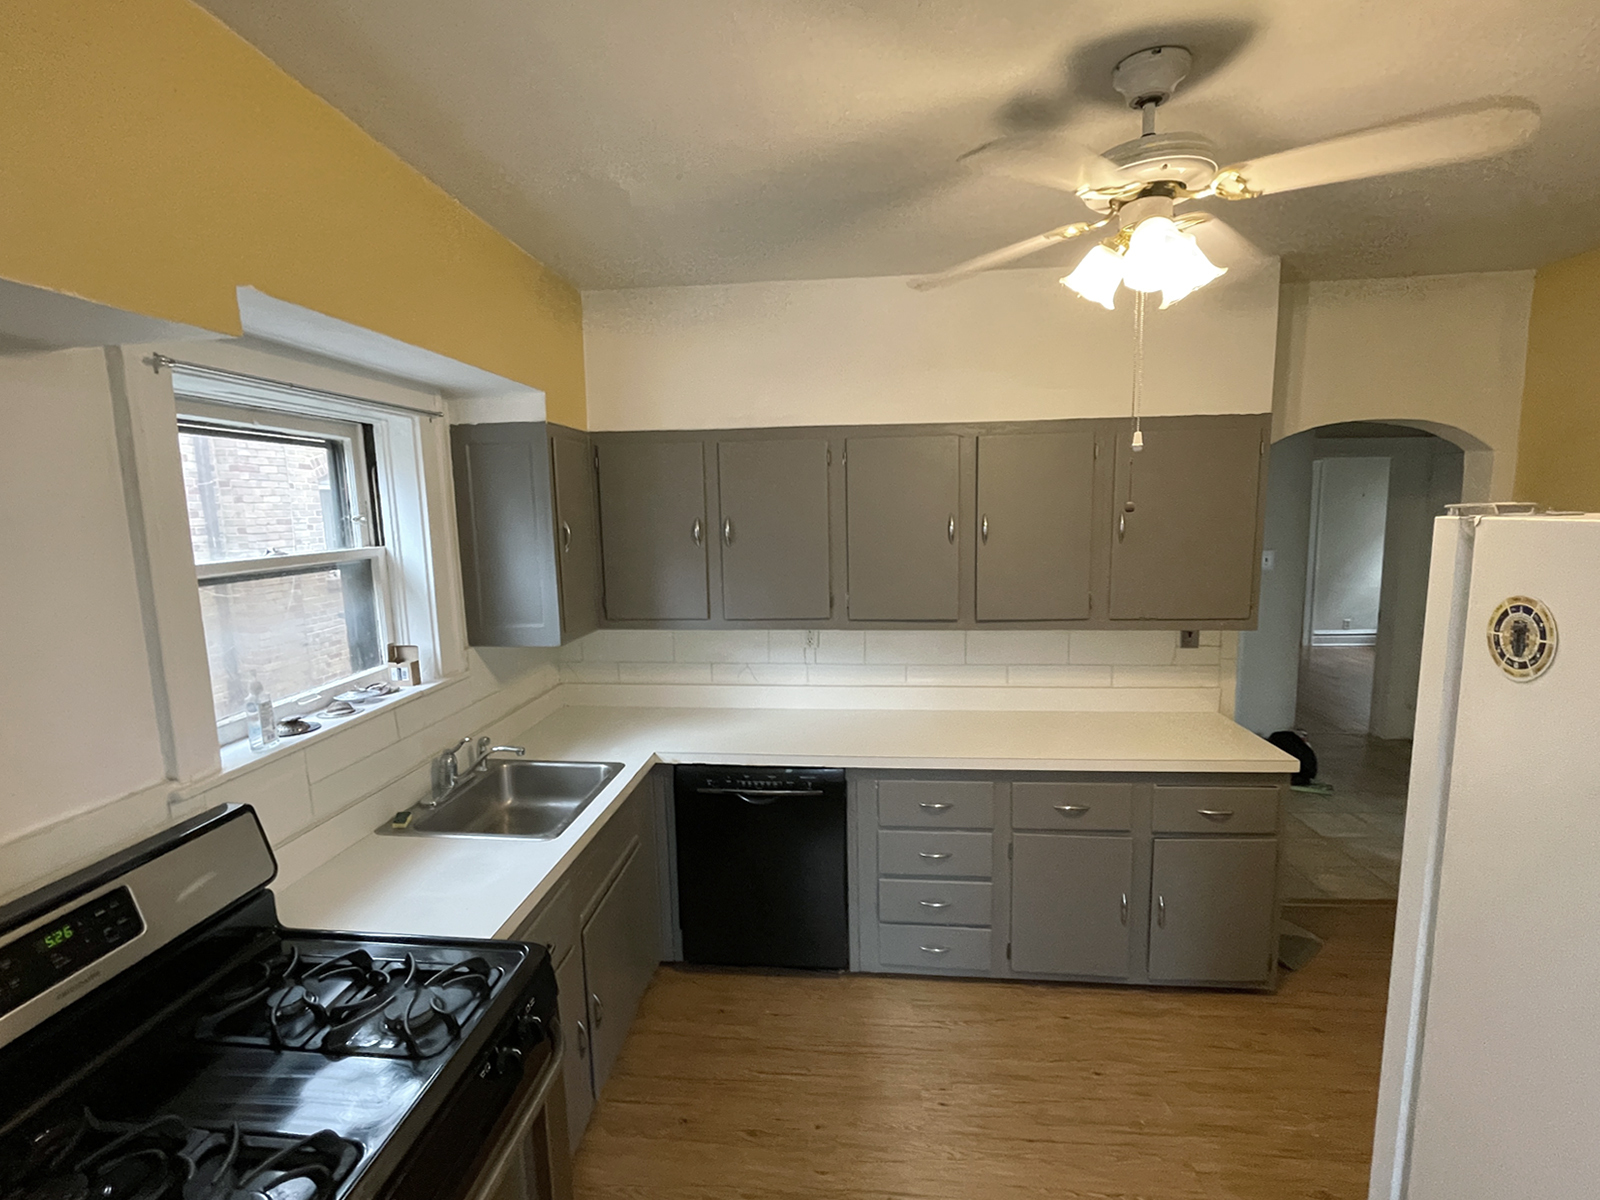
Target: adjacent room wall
[
  {"x": 1349, "y": 502},
  {"x": 1558, "y": 447},
  {"x": 1442, "y": 352},
  {"x": 154, "y": 161},
  {"x": 1006, "y": 345}
]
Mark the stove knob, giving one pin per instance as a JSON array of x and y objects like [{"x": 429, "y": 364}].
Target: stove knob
[
  {"x": 507, "y": 1061},
  {"x": 530, "y": 1027}
]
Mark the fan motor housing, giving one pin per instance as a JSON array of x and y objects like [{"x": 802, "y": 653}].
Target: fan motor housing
[{"x": 1187, "y": 159}]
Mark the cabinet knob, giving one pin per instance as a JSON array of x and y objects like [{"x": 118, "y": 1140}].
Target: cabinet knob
[
  {"x": 1071, "y": 810},
  {"x": 933, "y": 854},
  {"x": 933, "y": 805},
  {"x": 951, "y": 529},
  {"x": 1161, "y": 911},
  {"x": 934, "y": 949},
  {"x": 596, "y": 1010},
  {"x": 566, "y": 538},
  {"x": 934, "y": 903},
  {"x": 583, "y": 1039},
  {"x": 1215, "y": 814},
  {"x": 983, "y": 529},
  {"x": 727, "y": 531},
  {"x": 697, "y": 532},
  {"x": 1124, "y": 908}
]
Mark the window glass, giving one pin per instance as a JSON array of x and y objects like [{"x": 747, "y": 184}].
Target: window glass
[
  {"x": 295, "y": 632},
  {"x": 252, "y": 496}
]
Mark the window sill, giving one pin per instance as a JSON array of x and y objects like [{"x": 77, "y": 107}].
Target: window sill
[{"x": 238, "y": 758}]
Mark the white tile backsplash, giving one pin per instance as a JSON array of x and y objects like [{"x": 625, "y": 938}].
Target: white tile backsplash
[
  {"x": 1113, "y": 647},
  {"x": 671, "y": 672},
  {"x": 628, "y": 645},
  {"x": 789, "y": 645},
  {"x": 1024, "y": 646},
  {"x": 855, "y": 674},
  {"x": 1058, "y": 675},
  {"x": 840, "y": 646},
  {"x": 916, "y": 646},
  {"x": 721, "y": 646}
]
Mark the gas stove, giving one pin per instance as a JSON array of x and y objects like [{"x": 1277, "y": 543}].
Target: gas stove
[{"x": 163, "y": 1037}]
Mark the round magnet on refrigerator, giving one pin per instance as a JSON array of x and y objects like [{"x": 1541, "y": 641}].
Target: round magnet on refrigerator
[{"x": 1522, "y": 637}]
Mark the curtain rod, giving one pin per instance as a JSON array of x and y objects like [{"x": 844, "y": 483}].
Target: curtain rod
[{"x": 156, "y": 361}]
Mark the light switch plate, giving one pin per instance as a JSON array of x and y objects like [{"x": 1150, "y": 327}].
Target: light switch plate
[{"x": 1268, "y": 558}]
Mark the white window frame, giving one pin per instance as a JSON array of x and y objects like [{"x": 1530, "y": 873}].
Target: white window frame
[{"x": 198, "y": 414}]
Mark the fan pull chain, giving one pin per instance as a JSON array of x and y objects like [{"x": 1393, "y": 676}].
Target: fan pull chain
[{"x": 1138, "y": 367}]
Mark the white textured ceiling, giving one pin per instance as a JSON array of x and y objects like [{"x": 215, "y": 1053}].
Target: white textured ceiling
[{"x": 636, "y": 142}]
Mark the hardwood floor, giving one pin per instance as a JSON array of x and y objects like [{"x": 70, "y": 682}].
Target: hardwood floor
[{"x": 754, "y": 1086}]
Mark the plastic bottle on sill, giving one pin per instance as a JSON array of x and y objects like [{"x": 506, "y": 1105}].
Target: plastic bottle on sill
[{"x": 260, "y": 721}]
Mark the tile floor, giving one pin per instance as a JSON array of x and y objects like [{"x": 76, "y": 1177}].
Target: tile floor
[{"x": 1346, "y": 845}]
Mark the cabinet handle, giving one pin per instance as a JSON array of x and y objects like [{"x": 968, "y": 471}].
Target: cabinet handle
[
  {"x": 934, "y": 903},
  {"x": 583, "y": 1040},
  {"x": 1124, "y": 908},
  {"x": 1161, "y": 911},
  {"x": 566, "y": 538},
  {"x": 934, "y": 854},
  {"x": 933, "y": 805},
  {"x": 727, "y": 531},
  {"x": 1122, "y": 526},
  {"x": 696, "y": 532},
  {"x": 951, "y": 529},
  {"x": 1215, "y": 814},
  {"x": 983, "y": 529},
  {"x": 598, "y": 1009},
  {"x": 934, "y": 949},
  {"x": 1071, "y": 810}
]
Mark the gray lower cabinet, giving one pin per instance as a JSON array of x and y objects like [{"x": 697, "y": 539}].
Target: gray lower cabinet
[
  {"x": 577, "y": 1076},
  {"x": 1213, "y": 917},
  {"x": 1035, "y": 519},
  {"x": 653, "y": 530},
  {"x": 621, "y": 949},
  {"x": 902, "y": 506},
  {"x": 1186, "y": 544},
  {"x": 774, "y": 530},
  {"x": 1070, "y": 906},
  {"x": 529, "y": 558}
]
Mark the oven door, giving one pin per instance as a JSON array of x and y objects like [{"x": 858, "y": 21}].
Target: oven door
[{"x": 529, "y": 1158}]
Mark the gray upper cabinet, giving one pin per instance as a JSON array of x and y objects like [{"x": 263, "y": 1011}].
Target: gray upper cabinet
[
  {"x": 903, "y": 507},
  {"x": 1035, "y": 519},
  {"x": 653, "y": 530},
  {"x": 1070, "y": 904},
  {"x": 1212, "y": 910},
  {"x": 774, "y": 529},
  {"x": 514, "y": 588},
  {"x": 577, "y": 530},
  {"x": 1187, "y": 520}
]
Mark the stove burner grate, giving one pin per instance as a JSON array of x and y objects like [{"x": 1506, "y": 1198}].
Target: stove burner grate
[
  {"x": 352, "y": 1004},
  {"x": 169, "y": 1159}
]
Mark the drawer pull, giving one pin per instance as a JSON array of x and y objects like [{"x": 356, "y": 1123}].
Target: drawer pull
[
  {"x": 596, "y": 1009},
  {"x": 1071, "y": 810},
  {"x": 934, "y": 903},
  {"x": 934, "y": 949},
  {"x": 933, "y": 805},
  {"x": 1215, "y": 814},
  {"x": 583, "y": 1040},
  {"x": 1161, "y": 911},
  {"x": 934, "y": 854},
  {"x": 1124, "y": 908}
]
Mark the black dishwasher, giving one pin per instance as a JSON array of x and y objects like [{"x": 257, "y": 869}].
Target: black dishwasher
[{"x": 761, "y": 866}]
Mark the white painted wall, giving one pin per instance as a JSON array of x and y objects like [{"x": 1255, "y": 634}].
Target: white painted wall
[
  {"x": 1442, "y": 352},
  {"x": 1007, "y": 345},
  {"x": 1269, "y": 655},
  {"x": 1350, "y": 502}
]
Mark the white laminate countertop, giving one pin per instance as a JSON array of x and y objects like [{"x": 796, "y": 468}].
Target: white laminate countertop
[{"x": 483, "y": 887}]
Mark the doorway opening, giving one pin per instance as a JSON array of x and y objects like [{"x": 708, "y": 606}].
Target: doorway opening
[{"x": 1338, "y": 649}]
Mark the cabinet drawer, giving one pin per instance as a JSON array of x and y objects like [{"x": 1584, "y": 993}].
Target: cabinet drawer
[
  {"x": 934, "y": 852},
  {"x": 933, "y": 902},
  {"x": 1215, "y": 809},
  {"x": 936, "y": 803},
  {"x": 1072, "y": 806},
  {"x": 554, "y": 923},
  {"x": 933, "y": 947}
]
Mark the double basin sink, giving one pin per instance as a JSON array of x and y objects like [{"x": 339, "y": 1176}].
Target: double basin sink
[{"x": 518, "y": 799}]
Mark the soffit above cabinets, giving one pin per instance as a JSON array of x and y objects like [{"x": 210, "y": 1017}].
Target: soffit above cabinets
[{"x": 638, "y": 144}]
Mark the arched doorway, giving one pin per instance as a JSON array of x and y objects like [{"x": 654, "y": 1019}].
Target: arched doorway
[{"x": 1337, "y": 650}]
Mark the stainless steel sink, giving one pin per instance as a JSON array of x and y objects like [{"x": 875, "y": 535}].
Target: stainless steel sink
[{"x": 516, "y": 799}]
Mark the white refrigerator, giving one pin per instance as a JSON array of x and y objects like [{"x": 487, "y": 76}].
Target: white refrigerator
[{"x": 1491, "y": 1060}]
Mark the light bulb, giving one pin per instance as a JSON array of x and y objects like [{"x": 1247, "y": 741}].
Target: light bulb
[
  {"x": 1163, "y": 258},
  {"x": 1097, "y": 276}
]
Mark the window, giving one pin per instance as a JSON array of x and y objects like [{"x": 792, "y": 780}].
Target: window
[{"x": 288, "y": 548}]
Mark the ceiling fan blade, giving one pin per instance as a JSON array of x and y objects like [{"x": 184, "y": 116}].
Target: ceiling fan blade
[
  {"x": 1046, "y": 159},
  {"x": 998, "y": 258},
  {"x": 1472, "y": 131}
]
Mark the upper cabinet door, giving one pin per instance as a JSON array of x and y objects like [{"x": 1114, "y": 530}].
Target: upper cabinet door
[
  {"x": 902, "y": 498},
  {"x": 577, "y": 531},
  {"x": 1035, "y": 520},
  {"x": 1186, "y": 520},
  {"x": 503, "y": 517},
  {"x": 653, "y": 530},
  {"x": 774, "y": 530}
]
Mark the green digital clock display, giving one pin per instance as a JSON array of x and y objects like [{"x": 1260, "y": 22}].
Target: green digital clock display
[{"x": 56, "y": 936}]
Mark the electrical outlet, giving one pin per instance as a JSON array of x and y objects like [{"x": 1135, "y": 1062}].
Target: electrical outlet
[
  {"x": 1188, "y": 639},
  {"x": 1269, "y": 558}
]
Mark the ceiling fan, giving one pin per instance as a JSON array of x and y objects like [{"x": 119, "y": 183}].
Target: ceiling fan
[{"x": 1135, "y": 188}]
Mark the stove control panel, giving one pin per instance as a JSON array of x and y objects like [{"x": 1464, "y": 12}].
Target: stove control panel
[{"x": 65, "y": 945}]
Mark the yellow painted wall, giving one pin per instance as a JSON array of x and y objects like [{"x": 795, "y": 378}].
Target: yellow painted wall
[
  {"x": 1558, "y": 450},
  {"x": 152, "y": 160}
]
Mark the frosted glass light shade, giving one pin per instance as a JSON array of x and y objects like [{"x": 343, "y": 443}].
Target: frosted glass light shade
[
  {"x": 1163, "y": 258},
  {"x": 1097, "y": 276}
]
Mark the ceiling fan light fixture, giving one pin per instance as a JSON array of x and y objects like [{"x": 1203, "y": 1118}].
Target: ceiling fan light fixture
[
  {"x": 1164, "y": 258},
  {"x": 1097, "y": 276}
]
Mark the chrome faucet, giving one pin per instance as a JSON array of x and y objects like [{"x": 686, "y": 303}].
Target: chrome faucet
[
  {"x": 485, "y": 750},
  {"x": 446, "y": 771}
]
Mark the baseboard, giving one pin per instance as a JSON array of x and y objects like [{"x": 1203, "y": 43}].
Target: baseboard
[{"x": 1344, "y": 637}]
